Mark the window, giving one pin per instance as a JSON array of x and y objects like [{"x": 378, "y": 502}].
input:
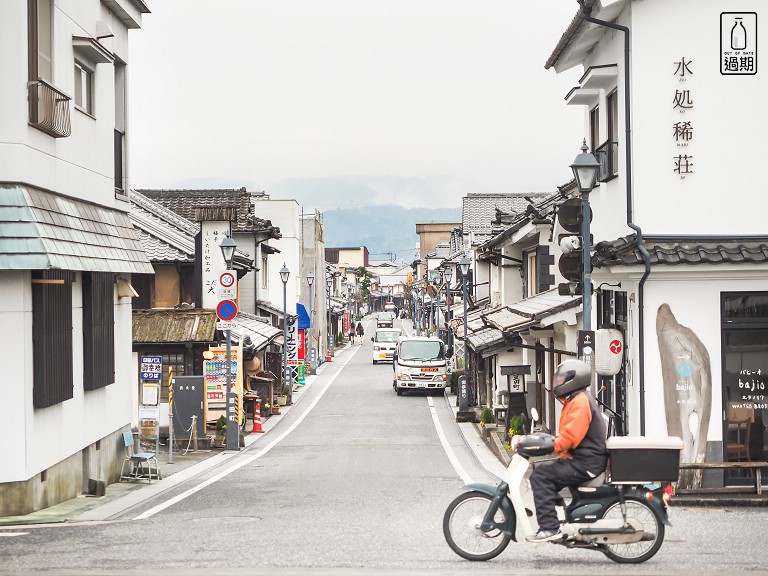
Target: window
[
  {"x": 98, "y": 330},
  {"x": 264, "y": 271},
  {"x": 530, "y": 274},
  {"x": 83, "y": 88},
  {"x": 613, "y": 133},
  {"x": 176, "y": 361},
  {"x": 40, "y": 26},
  {"x": 52, "y": 337},
  {"x": 594, "y": 128},
  {"x": 120, "y": 127}
]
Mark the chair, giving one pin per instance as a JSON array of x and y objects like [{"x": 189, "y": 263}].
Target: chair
[
  {"x": 741, "y": 416},
  {"x": 140, "y": 464}
]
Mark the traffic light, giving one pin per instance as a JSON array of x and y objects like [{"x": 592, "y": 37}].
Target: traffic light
[{"x": 571, "y": 262}]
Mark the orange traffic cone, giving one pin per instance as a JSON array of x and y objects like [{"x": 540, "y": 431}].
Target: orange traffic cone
[
  {"x": 328, "y": 356},
  {"x": 257, "y": 418}
]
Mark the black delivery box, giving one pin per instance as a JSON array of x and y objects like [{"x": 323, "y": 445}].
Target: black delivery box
[{"x": 640, "y": 459}]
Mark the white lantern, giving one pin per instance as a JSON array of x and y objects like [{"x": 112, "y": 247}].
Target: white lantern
[{"x": 609, "y": 351}]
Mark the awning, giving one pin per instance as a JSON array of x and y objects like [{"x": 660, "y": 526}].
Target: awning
[
  {"x": 260, "y": 332},
  {"x": 166, "y": 325},
  {"x": 304, "y": 319},
  {"x": 43, "y": 230}
]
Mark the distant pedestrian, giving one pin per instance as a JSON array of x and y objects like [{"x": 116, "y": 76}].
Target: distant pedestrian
[
  {"x": 360, "y": 331},
  {"x": 352, "y": 335}
]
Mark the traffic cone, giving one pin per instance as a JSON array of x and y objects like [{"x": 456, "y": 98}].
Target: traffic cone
[
  {"x": 257, "y": 418},
  {"x": 328, "y": 356}
]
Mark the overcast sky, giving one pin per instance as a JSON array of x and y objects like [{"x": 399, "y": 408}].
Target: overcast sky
[{"x": 426, "y": 100}]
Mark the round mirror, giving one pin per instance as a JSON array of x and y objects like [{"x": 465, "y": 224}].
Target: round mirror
[{"x": 534, "y": 415}]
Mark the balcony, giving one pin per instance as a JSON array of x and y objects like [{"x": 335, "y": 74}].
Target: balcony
[
  {"x": 49, "y": 109},
  {"x": 608, "y": 156}
]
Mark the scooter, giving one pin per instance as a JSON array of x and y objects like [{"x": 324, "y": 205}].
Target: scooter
[{"x": 623, "y": 521}]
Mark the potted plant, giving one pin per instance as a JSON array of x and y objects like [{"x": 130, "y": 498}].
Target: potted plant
[
  {"x": 486, "y": 416},
  {"x": 516, "y": 426},
  {"x": 221, "y": 432}
]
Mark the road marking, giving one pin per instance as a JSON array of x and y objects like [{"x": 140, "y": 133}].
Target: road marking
[
  {"x": 168, "y": 503},
  {"x": 466, "y": 478},
  {"x": 9, "y": 534}
]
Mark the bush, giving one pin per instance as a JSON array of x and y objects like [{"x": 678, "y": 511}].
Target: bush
[
  {"x": 486, "y": 416},
  {"x": 516, "y": 426}
]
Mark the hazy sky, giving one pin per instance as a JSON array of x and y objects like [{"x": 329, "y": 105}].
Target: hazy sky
[{"x": 427, "y": 99}]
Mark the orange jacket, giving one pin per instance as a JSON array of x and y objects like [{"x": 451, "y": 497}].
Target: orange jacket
[{"x": 581, "y": 434}]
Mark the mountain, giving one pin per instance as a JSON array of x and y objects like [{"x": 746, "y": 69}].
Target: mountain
[{"x": 389, "y": 232}]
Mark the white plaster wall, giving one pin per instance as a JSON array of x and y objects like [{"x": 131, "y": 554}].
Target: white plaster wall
[
  {"x": 728, "y": 118},
  {"x": 16, "y": 339},
  {"x": 286, "y": 215}
]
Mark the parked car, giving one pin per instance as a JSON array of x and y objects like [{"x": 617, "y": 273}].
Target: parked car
[
  {"x": 384, "y": 342},
  {"x": 385, "y": 320}
]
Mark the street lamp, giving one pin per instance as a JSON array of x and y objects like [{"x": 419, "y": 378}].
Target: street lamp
[
  {"x": 447, "y": 276},
  {"x": 287, "y": 379},
  {"x": 464, "y": 394},
  {"x": 312, "y": 353},
  {"x": 329, "y": 283},
  {"x": 585, "y": 168},
  {"x": 228, "y": 246}
]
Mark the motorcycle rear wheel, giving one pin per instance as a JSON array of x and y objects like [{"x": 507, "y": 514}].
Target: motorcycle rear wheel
[
  {"x": 636, "y": 552},
  {"x": 461, "y": 527}
]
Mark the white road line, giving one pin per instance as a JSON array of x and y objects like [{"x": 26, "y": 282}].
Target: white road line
[
  {"x": 168, "y": 503},
  {"x": 466, "y": 478}
]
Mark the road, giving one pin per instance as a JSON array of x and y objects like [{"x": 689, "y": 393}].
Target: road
[{"x": 353, "y": 480}]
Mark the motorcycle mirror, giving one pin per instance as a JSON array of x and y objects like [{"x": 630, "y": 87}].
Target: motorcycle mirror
[{"x": 534, "y": 415}]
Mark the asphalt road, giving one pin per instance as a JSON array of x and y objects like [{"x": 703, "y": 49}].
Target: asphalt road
[{"x": 353, "y": 480}]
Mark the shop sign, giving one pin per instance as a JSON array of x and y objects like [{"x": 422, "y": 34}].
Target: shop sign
[
  {"x": 151, "y": 367},
  {"x": 292, "y": 344},
  {"x": 738, "y": 43}
]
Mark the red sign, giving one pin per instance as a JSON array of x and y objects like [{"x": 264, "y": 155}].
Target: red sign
[
  {"x": 615, "y": 346},
  {"x": 301, "y": 339}
]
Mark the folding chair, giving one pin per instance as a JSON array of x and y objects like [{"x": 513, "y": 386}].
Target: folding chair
[{"x": 140, "y": 464}]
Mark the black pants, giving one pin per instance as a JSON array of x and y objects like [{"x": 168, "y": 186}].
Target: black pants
[{"x": 546, "y": 481}]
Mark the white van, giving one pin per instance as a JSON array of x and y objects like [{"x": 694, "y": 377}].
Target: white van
[
  {"x": 384, "y": 342},
  {"x": 420, "y": 364}
]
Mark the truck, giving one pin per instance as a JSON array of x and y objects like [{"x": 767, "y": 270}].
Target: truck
[{"x": 420, "y": 363}]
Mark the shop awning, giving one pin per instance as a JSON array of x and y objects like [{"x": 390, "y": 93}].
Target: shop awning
[
  {"x": 43, "y": 230},
  {"x": 167, "y": 326},
  {"x": 260, "y": 332},
  {"x": 304, "y": 319}
]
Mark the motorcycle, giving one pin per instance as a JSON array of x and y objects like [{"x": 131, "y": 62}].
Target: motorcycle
[{"x": 624, "y": 521}]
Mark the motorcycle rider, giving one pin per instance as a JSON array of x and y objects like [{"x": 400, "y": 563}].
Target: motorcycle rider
[{"x": 579, "y": 444}]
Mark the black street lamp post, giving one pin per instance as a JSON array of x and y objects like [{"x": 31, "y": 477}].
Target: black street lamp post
[
  {"x": 287, "y": 379},
  {"x": 464, "y": 394},
  {"x": 329, "y": 283},
  {"x": 232, "y": 439},
  {"x": 585, "y": 168},
  {"x": 312, "y": 352}
]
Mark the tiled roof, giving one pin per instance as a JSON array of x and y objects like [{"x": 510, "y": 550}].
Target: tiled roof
[
  {"x": 165, "y": 236},
  {"x": 42, "y": 230},
  {"x": 479, "y": 211},
  {"x": 257, "y": 329},
  {"x": 190, "y": 203},
  {"x": 170, "y": 325},
  {"x": 672, "y": 251},
  {"x": 530, "y": 311}
]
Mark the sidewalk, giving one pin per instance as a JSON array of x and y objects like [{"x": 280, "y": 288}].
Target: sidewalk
[{"x": 121, "y": 496}]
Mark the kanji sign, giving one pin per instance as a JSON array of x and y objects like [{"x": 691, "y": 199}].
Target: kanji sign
[
  {"x": 151, "y": 367},
  {"x": 226, "y": 310}
]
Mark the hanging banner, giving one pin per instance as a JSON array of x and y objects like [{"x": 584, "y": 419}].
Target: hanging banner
[
  {"x": 292, "y": 344},
  {"x": 301, "y": 341}
]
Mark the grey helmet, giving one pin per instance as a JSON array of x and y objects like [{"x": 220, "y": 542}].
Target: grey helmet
[{"x": 570, "y": 376}]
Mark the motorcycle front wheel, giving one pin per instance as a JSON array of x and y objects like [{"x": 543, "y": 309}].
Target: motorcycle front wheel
[
  {"x": 653, "y": 533},
  {"x": 461, "y": 527}
]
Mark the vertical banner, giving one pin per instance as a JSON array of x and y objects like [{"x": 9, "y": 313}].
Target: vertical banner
[
  {"x": 292, "y": 345},
  {"x": 212, "y": 260},
  {"x": 346, "y": 322}
]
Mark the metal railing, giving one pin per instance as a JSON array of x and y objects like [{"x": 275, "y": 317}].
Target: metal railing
[
  {"x": 49, "y": 109},
  {"x": 608, "y": 156}
]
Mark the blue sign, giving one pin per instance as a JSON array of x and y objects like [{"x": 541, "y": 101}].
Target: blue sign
[
  {"x": 151, "y": 368},
  {"x": 226, "y": 310}
]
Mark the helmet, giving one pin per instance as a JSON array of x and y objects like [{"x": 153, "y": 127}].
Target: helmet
[{"x": 570, "y": 376}]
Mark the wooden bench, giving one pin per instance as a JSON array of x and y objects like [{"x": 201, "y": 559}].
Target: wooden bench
[{"x": 756, "y": 466}]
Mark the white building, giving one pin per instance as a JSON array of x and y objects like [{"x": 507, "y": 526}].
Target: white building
[
  {"x": 673, "y": 105},
  {"x": 67, "y": 248}
]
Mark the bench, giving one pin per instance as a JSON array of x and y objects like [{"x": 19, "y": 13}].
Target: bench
[{"x": 756, "y": 466}]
